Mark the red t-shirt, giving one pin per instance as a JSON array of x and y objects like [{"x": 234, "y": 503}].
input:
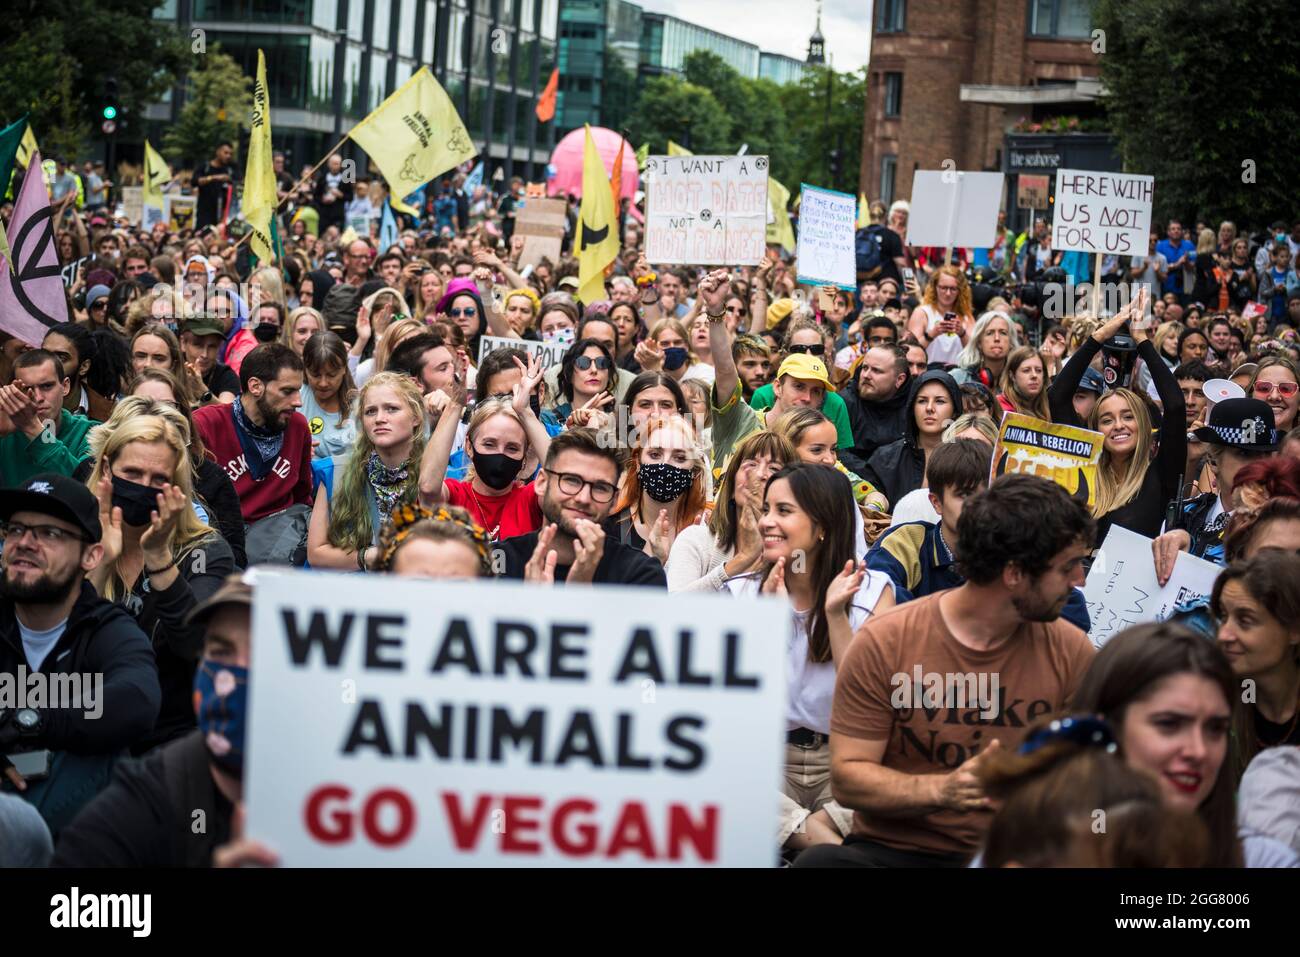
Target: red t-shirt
[{"x": 515, "y": 513}]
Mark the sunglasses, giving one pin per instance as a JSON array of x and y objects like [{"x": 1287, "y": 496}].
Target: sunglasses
[
  {"x": 585, "y": 362},
  {"x": 99, "y": 304},
  {"x": 1286, "y": 389},
  {"x": 814, "y": 350},
  {"x": 469, "y": 313}
]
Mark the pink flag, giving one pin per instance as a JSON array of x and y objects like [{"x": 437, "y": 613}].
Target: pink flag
[{"x": 31, "y": 296}]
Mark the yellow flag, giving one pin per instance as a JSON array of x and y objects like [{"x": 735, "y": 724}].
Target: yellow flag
[
  {"x": 157, "y": 174},
  {"x": 779, "y": 230},
  {"x": 675, "y": 150},
  {"x": 416, "y": 135},
  {"x": 597, "y": 240},
  {"x": 260, "y": 199},
  {"x": 864, "y": 214},
  {"x": 27, "y": 147}
]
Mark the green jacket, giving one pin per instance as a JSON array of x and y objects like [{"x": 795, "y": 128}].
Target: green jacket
[
  {"x": 833, "y": 408},
  {"x": 60, "y": 451}
]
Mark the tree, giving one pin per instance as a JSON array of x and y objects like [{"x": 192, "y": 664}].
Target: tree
[
  {"x": 58, "y": 53},
  {"x": 218, "y": 105},
  {"x": 670, "y": 108},
  {"x": 1200, "y": 95},
  {"x": 617, "y": 91},
  {"x": 813, "y": 129}
]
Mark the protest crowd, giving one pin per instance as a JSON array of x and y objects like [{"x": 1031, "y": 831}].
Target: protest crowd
[{"x": 401, "y": 394}]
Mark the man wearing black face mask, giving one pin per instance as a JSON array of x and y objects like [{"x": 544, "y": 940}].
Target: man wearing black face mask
[
  {"x": 144, "y": 818},
  {"x": 59, "y": 753}
]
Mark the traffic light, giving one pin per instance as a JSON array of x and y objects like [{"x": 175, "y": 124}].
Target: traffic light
[
  {"x": 110, "y": 107},
  {"x": 835, "y": 164}
]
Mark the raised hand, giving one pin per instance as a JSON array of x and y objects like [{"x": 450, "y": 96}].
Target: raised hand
[
  {"x": 844, "y": 587},
  {"x": 649, "y": 356},
  {"x": 588, "y": 550},
  {"x": 172, "y": 504},
  {"x": 662, "y": 536},
  {"x": 110, "y": 521}
]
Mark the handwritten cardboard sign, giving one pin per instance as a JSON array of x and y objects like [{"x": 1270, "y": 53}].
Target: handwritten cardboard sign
[
  {"x": 1031, "y": 192},
  {"x": 541, "y": 223},
  {"x": 1122, "y": 589},
  {"x": 550, "y": 352},
  {"x": 825, "y": 246},
  {"x": 706, "y": 209},
  {"x": 1102, "y": 212}
]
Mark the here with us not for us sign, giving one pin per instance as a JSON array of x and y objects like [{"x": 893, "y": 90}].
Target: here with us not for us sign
[
  {"x": 415, "y": 723},
  {"x": 1107, "y": 213}
]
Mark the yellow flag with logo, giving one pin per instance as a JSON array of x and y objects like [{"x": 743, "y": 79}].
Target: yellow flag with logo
[
  {"x": 416, "y": 135},
  {"x": 157, "y": 174},
  {"x": 260, "y": 198},
  {"x": 597, "y": 238},
  {"x": 675, "y": 150},
  {"x": 780, "y": 230},
  {"x": 27, "y": 147}
]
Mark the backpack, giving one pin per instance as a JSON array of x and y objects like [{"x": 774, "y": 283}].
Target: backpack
[{"x": 868, "y": 247}]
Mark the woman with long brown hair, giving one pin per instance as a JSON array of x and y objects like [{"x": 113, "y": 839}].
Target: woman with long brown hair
[
  {"x": 1170, "y": 697},
  {"x": 1023, "y": 386}
]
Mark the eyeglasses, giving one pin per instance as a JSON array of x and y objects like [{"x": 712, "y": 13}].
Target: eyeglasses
[
  {"x": 469, "y": 313},
  {"x": 571, "y": 484},
  {"x": 585, "y": 362},
  {"x": 814, "y": 350},
  {"x": 943, "y": 288},
  {"x": 1286, "y": 389},
  {"x": 45, "y": 534},
  {"x": 99, "y": 304}
]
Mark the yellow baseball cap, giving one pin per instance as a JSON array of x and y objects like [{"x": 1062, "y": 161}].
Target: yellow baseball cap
[{"x": 803, "y": 366}]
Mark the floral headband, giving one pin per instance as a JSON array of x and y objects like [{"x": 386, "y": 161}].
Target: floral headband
[{"x": 405, "y": 519}]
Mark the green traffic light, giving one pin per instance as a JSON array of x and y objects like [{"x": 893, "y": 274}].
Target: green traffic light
[{"x": 110, "y": 112}]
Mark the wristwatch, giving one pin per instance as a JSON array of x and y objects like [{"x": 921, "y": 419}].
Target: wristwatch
[{"x": 18, "y": 724}]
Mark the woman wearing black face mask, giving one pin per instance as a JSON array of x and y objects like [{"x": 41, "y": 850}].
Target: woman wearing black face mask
[
  {"x": 160, "y": 559},
  {"x": 666, "y": 489},
  {"x": 501, "y": 432},
  {"x": 264, "y": 327}
]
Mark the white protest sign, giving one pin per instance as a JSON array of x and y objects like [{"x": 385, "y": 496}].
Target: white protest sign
[
  {"x": 706, "y": 209},
  {"x": 954, "y": 208},
  {"x": 1122, "y": 590},
  {"x": 416, "y": 723},
  {"x": 1102, "y": 212},
  {"x": 133, "y": 203},
  {"x": 550, "y": 353},
  {"x": 825, "y": 253}
]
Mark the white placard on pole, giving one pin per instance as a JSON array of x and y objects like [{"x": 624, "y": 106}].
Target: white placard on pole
[
  {"x": 407, "y": 723},
  {"x": 954, "y": 208},
  {"x": 1107, "y": 213},
  {"x": 550, "y": 352},
  {"x": 1122, "y": 590},
  {"x": 825, "y": 253},
  {"x": 706, "y": 210}
]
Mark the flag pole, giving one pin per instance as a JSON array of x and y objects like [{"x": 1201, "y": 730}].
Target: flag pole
[{"x": 310, "y": 173}]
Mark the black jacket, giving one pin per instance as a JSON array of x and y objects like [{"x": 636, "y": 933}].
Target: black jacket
[
  {"x": 101, "y": 638},
  {"x": 899, "y": 467},
  {"x": 874, "y": 424}
]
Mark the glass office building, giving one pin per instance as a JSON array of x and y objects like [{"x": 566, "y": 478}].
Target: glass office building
[
  {"x": 330, "y": 62},
  {"x": 596, "y": 90}
]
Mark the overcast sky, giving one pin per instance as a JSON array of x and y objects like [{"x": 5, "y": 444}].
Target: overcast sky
[{"x": 782, "y": 26}]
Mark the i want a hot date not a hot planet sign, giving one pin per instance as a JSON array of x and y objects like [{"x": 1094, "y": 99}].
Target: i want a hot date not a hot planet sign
[{"x": 409, "y": 723}]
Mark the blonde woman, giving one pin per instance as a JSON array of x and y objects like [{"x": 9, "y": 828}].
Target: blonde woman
[
  {"x": 160, "y": 304},
  {"x": 160, "y": 561},
  {"x": 501, "y": 433},
  {"x": 428, "y": 292},
  {"x": 666, "y": 350},
  {"x": 1133, "y": 487},
  {"x": 396, "y": 333},
  {"x": 303, "y": 323},
  {"x": 265, "y": 285},
  {"x": 521, "y": 307},
  {"x": 381, "y": 475}
]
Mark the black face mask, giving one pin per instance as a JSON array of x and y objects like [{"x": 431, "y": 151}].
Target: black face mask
[
  {"x": 136, "y": 501},
  {"x": 265, "y": 332},
  {"x": 496, "y": 469},
  {"x": 664, "y": 482}
]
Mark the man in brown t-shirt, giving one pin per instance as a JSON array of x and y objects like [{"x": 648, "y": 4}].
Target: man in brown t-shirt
[{"x": 929, "y": 688}]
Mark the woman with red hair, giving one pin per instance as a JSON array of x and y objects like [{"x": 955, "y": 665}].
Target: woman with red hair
[{"x": 666, "y": 487}]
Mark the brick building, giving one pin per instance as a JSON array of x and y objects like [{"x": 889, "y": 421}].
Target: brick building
[{"x": 950, "y": 80}]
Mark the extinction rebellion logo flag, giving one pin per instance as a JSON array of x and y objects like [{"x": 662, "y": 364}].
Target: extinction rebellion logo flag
[{"x": 31, "y": 293}]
